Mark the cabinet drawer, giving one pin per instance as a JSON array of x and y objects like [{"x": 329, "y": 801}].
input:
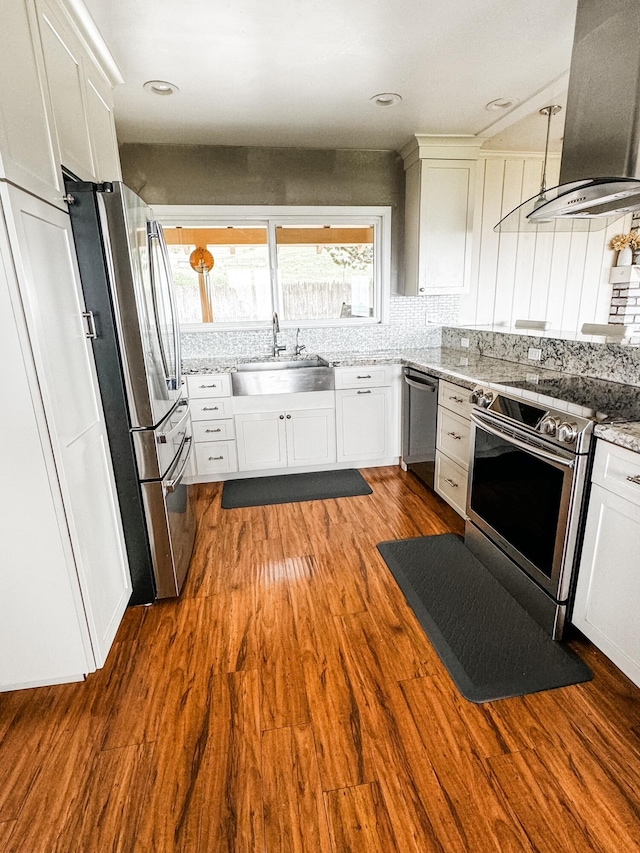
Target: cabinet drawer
[
  {"x": 454, "y": 398},
  {"x": 210, "y": 409},
  {"x": 209, "y": 385},
  {"x": 221, "y": 430},
  {"x": 369, "y": 376},
  {"x": 216, "y": 457},
  {"x": 453, "y": 436},
  {"x": 451, "y": 482},
  {"x": 612, "y": 468}
]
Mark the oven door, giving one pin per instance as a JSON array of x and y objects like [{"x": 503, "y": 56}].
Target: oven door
[{"x": 520, "y": 497}]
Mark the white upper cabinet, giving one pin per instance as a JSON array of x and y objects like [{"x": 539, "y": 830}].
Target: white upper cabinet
[
  {"x": 439, "y": 211},
  {"x": 65, "y": 75},
  {"x": 56, "y": 105},
  {"x": 80, "y": 96},
  {"x": 28, "y": 146}
]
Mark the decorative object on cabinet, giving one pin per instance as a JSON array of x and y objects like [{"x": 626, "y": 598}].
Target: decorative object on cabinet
[
  {"x": 627, "y": 246},
  {"x": 292, "y": 488},
  {"x": 492, "y": 648}
]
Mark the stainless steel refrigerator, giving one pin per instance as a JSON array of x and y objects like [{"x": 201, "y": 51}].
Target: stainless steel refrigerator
[{"x": 128, "y": 290}]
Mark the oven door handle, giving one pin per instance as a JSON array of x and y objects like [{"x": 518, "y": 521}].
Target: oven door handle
[{"x": 523, "y": 445}]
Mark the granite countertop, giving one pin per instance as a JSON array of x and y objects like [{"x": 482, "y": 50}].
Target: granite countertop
[
  {"x": 624, "y": 435},
  {"x": 465, "y": 370}
]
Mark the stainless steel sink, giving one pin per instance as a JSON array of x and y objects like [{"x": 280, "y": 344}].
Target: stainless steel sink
[
  {"x": 316, "y": 361},
  {"x": 282, "y": 377}
]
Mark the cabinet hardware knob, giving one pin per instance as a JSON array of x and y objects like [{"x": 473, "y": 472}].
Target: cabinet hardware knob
[
  {"x": 69, "y": 198},
  {"x": 215, "y": 458},
  {"x": 213, "y": 430},
  {"x": 635, "y": 479},
  {"x": 451, "y": 482},
  {"x": 363, "y": 377},
  {"x": 288, "y": 417},
  {"x": 421, "y": 289},
  {"x": 281, "y": 417},
  {"x": 455, "y": 436},
  {"x": 209, "y": 408},
  {"x": 363, "y": 392}
]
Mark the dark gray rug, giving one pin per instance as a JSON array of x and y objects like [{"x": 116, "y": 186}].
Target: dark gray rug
[
  {"x": 290, "y": 488},
  {"x": 490, "y": 645}
]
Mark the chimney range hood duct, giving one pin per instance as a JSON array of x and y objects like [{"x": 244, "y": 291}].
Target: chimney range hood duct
[{"x": 600, "y": 165}]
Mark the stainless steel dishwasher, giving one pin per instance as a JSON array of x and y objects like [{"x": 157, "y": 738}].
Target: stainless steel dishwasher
[{"x": 419, "y": 413}]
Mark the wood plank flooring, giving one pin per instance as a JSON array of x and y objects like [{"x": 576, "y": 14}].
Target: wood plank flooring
[{"x": 289, "y": 702}]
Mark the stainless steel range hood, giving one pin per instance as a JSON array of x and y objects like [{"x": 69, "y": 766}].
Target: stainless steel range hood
[{"x": 600, "y": 166}]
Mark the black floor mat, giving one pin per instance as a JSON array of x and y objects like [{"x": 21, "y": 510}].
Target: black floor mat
[
  {"x": 490, "y": 645},
  {"x": 290, "y": 488}
]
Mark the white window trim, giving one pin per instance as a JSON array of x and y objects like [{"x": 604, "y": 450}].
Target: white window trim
[{"x": 201, "y": 215}]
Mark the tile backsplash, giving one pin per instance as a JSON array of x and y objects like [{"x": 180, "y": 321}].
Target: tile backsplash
[
  {"x": 412, "y": 324},
  {"x": 615, "y": 362}
]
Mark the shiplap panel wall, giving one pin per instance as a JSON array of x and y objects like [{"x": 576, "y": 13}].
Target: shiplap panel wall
[{"x": 561, "y": 277}]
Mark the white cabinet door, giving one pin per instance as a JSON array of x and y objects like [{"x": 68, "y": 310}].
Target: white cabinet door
[
  {"x": 261, "y": 441},
  {"x": 438, "y": 226},
  {"x": 363, "y": 424},
  {"x": 43, "y": 632},
  {"x": 65, "y": 75},
  {"x": 44, "y": 258},
  {"x": 608, "y": 588},
  {"x": 28, "y": 144},
  {"x": 311, "y": 437},
  {"x": 102, "y": 128}
]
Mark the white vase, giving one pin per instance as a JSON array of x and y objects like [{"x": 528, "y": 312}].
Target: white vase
[{"x": 625, "y": 257}]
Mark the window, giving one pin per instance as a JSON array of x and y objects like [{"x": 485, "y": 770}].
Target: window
[{"x": 233, "y": 267}]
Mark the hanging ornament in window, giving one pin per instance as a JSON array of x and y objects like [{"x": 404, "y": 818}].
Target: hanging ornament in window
[{"x": 202, "y": 262}]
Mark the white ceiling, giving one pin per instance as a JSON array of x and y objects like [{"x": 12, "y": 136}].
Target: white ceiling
[{"x": 301, "y": 72}]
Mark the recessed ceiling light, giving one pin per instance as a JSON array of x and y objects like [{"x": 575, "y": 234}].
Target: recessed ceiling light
[
  {"x": 386, "y": 99},
  {"x": 160, "y": 87},
  {"x": 502, "y": 103}
]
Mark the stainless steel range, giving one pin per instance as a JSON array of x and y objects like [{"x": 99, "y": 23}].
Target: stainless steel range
[{"x": 530, "y": 458}]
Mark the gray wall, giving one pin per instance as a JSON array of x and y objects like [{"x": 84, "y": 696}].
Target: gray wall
[{"x": 208, "y": 174}]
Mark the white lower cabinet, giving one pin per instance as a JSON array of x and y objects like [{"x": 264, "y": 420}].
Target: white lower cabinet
[
  {"x": 282, "y": 439},
  {"x": 453, "y": 445},
  {"x": 608, "y": 587},
  {"x": 362, "y": 424},
  {"x": 368, "y": 413},
  {"x": 451, "y": 482}
]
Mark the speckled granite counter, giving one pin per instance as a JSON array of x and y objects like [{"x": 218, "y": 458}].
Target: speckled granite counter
[
  {"x": 449, "y": 364},
  {"x": 443, "y": 363},
  {"x": 624, "y": 435}
]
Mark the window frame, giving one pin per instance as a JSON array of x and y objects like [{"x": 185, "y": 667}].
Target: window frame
[{"x": 270, "y": 216}]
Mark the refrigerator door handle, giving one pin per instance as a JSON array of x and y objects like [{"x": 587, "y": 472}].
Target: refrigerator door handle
[
  {"x": 156, "y": 233},
  {"x": 171, "y": 484}
]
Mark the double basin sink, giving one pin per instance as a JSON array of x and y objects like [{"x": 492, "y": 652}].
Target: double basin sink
[{"x": 282, "y": 377}]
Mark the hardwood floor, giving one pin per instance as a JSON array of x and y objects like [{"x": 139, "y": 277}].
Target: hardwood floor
[{"x": 290, "y": 701}]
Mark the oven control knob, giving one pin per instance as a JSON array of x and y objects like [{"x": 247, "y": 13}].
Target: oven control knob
[
  {"x": 568, "y": 432},
  {"x": 549, "y": 425},
  {"x": 485, "y": 399},
  {"x": 474, "y": 396}
]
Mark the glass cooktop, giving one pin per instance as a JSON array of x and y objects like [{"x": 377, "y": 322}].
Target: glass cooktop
[{"x": 599, "y": 399}]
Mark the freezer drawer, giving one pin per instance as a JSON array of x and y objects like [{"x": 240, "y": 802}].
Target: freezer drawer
[{"x": 171, "y": 523}]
